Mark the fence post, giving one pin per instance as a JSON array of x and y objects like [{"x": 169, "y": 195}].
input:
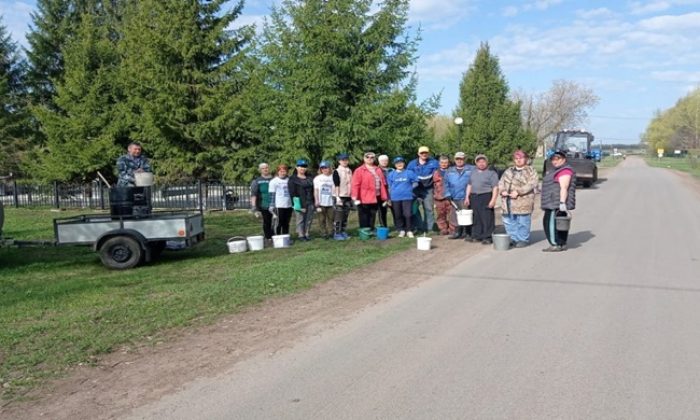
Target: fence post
[
  {"x": 56, "y": 199},
  {"x": 102, "y": 194},
  {"x": 15, "y": 195},
  {"x": 199, "y": 195}
]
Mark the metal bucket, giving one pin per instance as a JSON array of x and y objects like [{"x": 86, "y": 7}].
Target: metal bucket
[
  {"x": 501, "y": 241},
  {"x": 237, "y": 244},
  {"x": 562, "y": 221},
  {"x": 143, "y": 179}
]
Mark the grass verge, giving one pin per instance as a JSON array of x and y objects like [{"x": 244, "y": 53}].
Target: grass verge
[
  {"x": 60, "y": 307},
  {"x": 688, "y": 164}
]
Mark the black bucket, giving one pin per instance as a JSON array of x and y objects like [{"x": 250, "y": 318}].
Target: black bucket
[{"x": 121, "y": 201}]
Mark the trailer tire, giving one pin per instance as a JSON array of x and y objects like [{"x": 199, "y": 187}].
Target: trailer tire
[{"x": 121, "y": 252}]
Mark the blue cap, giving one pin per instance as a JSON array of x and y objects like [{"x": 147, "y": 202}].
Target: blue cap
[
  {"x": 343, "y": 156},
  {"x": 302, "y": 162},
  {"x": 324, "y": 164},
  {"x": 398, "y": 159}
]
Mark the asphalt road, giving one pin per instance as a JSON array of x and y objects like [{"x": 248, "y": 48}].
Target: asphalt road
[{"x": 608, "y": 329}]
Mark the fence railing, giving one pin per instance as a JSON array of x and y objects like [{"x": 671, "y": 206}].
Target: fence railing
[{"x": 95, "y": 195}]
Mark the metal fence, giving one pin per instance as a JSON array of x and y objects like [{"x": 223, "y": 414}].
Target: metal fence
[{"x": 95, "y": 195}]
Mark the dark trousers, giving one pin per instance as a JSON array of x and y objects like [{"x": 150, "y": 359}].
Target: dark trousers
[
  {"x": 284, "y": 216},
  {"x": 403, "y": 214},
  {"x": 267, "y": 223},
  {"x": 368, "y": 214},
  {"x": 341, "y": 214},
  {"x": 484, "y": 217},
  {"x": 554, "y": 236}
]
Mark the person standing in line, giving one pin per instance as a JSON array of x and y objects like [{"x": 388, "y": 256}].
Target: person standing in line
[
  {"x": 482, "y": 192},
  {"x": 457, "y": 180},
  {"x": 384, "y": 206},
  {"x": 517, "y": 187},
  {"x": 132, "y": 162},
  {"x": 401, "y": 184},
  {"x": 558, "y": 195},
  {"x": 424, "y": 166},
  {"x": 442, "y": 202},
  {"x": 260, "y": 199},
  {"x": 301, "y": 188},
  {"x": 368, "y": 190},
  {"x": 280, "y": 201},
  {"x": 342, "y": 181},
  {"x": 323, "y": 195}
]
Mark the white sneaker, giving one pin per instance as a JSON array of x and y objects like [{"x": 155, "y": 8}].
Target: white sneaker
[
  {"x": 402, "y": 234},
  {"x": 410, "y": 234}
]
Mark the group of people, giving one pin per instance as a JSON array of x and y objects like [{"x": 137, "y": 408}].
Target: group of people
[{"x": 420, "y": 194}]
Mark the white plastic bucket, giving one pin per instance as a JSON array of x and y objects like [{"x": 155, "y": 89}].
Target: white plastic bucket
[
  {"x": 236, "y": 244},
  {"x": 465, "y": 217},
  {"x": 143, "y": 179},
  {"x": 423, "y": 243},
  {"x": 256, "y": 243},
  {"x": 280, "y": 241}
]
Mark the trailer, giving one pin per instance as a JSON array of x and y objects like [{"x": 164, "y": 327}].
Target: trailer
[{"x": 126, "y": 241}]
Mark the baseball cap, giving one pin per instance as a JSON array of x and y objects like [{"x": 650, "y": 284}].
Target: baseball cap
[
  {"x": 560, "y": 153},
  {"x": 479, "y": 157},
  {"x": 342, "y": 156},
  {"x": 398, "y": 159},
  {"x": 302, "y": 162},
  {"x": 369, "y": 154},
  {"x": 460, "y": 155},
  {"x": 423, "y": 149},
  {"x": 324, "y": 164}
]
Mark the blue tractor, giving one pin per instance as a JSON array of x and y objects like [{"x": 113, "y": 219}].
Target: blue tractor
[{"x": 579, "y": 154}]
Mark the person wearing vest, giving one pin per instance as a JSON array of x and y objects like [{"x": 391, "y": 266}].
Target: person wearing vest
[
  {"x": 424, "y": 167},
  {"x": 442, "y": 203},
  {"x": 558, "y": 195},
  {"x": 368, "y": 190},
  {"x": 342, "y": 181},
  {"x": 517, "y": 187},
  {"x": 457, "y": 180},
  {"x": 260, "y": 199}
]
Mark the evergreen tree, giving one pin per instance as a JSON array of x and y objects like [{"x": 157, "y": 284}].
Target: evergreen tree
[
  {"x": 184, "y": 72},
  {"x": 491, "y": 122},
  {"x": 13, "y": 111},
  {"x": 83, "y": 127},
  {"x": 337, "y": 78}
]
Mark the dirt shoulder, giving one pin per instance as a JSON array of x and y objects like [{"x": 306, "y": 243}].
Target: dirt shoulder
[{"x": 127, "y": 379}]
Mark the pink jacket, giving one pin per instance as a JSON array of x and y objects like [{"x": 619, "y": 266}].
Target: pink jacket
[{"x": 363, "y": 187}]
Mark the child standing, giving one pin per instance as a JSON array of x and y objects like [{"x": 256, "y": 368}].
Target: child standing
[{"x": 323, "y": 195}]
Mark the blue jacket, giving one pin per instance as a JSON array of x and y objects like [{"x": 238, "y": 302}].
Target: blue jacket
[
  {"x": 401, "y": 185},
  {"x": 456, "y": 182},
  {"x": 424, "y": 172}
]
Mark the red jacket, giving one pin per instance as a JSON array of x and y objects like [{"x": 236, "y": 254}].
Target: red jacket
[{"x": 363, "y": 187}]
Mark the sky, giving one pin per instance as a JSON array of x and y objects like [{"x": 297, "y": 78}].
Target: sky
[{"x": 637, "y": 56}]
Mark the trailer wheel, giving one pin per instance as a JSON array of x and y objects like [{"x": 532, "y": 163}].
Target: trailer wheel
[{"x": 121, "y": 252}]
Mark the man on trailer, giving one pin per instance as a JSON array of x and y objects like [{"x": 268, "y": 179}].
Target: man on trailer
[{"x": 133, "y": 161}]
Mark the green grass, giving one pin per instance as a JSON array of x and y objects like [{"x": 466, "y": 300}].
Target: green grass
[
  {"x": 60, "y": 306},
  {"x": 686, "y": 164}
]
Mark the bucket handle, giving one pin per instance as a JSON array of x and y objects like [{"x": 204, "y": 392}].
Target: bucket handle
[{"x": 235, "y": 238}]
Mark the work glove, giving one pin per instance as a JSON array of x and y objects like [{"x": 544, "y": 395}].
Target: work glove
[
  {"x": 562, "y": 207},
  {"x": 356, "y": 202},
  {"x": 319, "y": 209},
  {"x": 296, "y": 203},
  {"x": 273, "y": 211},
  {"x": 387, "y": 203},
  {"x": 338, "y": 201}
]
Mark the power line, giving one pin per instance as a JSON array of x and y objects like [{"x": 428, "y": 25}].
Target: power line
[{"x": 610, "y": 117}]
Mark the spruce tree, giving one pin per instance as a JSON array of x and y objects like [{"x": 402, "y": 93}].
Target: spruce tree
[
  {"x": 83, "y": 127},
  {"x": 13, "y": 109},
  {"x": 338, "y": 78},
  {"x": 183, "y": 72},
  {"x": 491, "y": 122}
]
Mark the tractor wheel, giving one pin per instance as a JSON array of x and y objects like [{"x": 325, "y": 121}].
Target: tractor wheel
[{"x": 121, "y": 253}]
